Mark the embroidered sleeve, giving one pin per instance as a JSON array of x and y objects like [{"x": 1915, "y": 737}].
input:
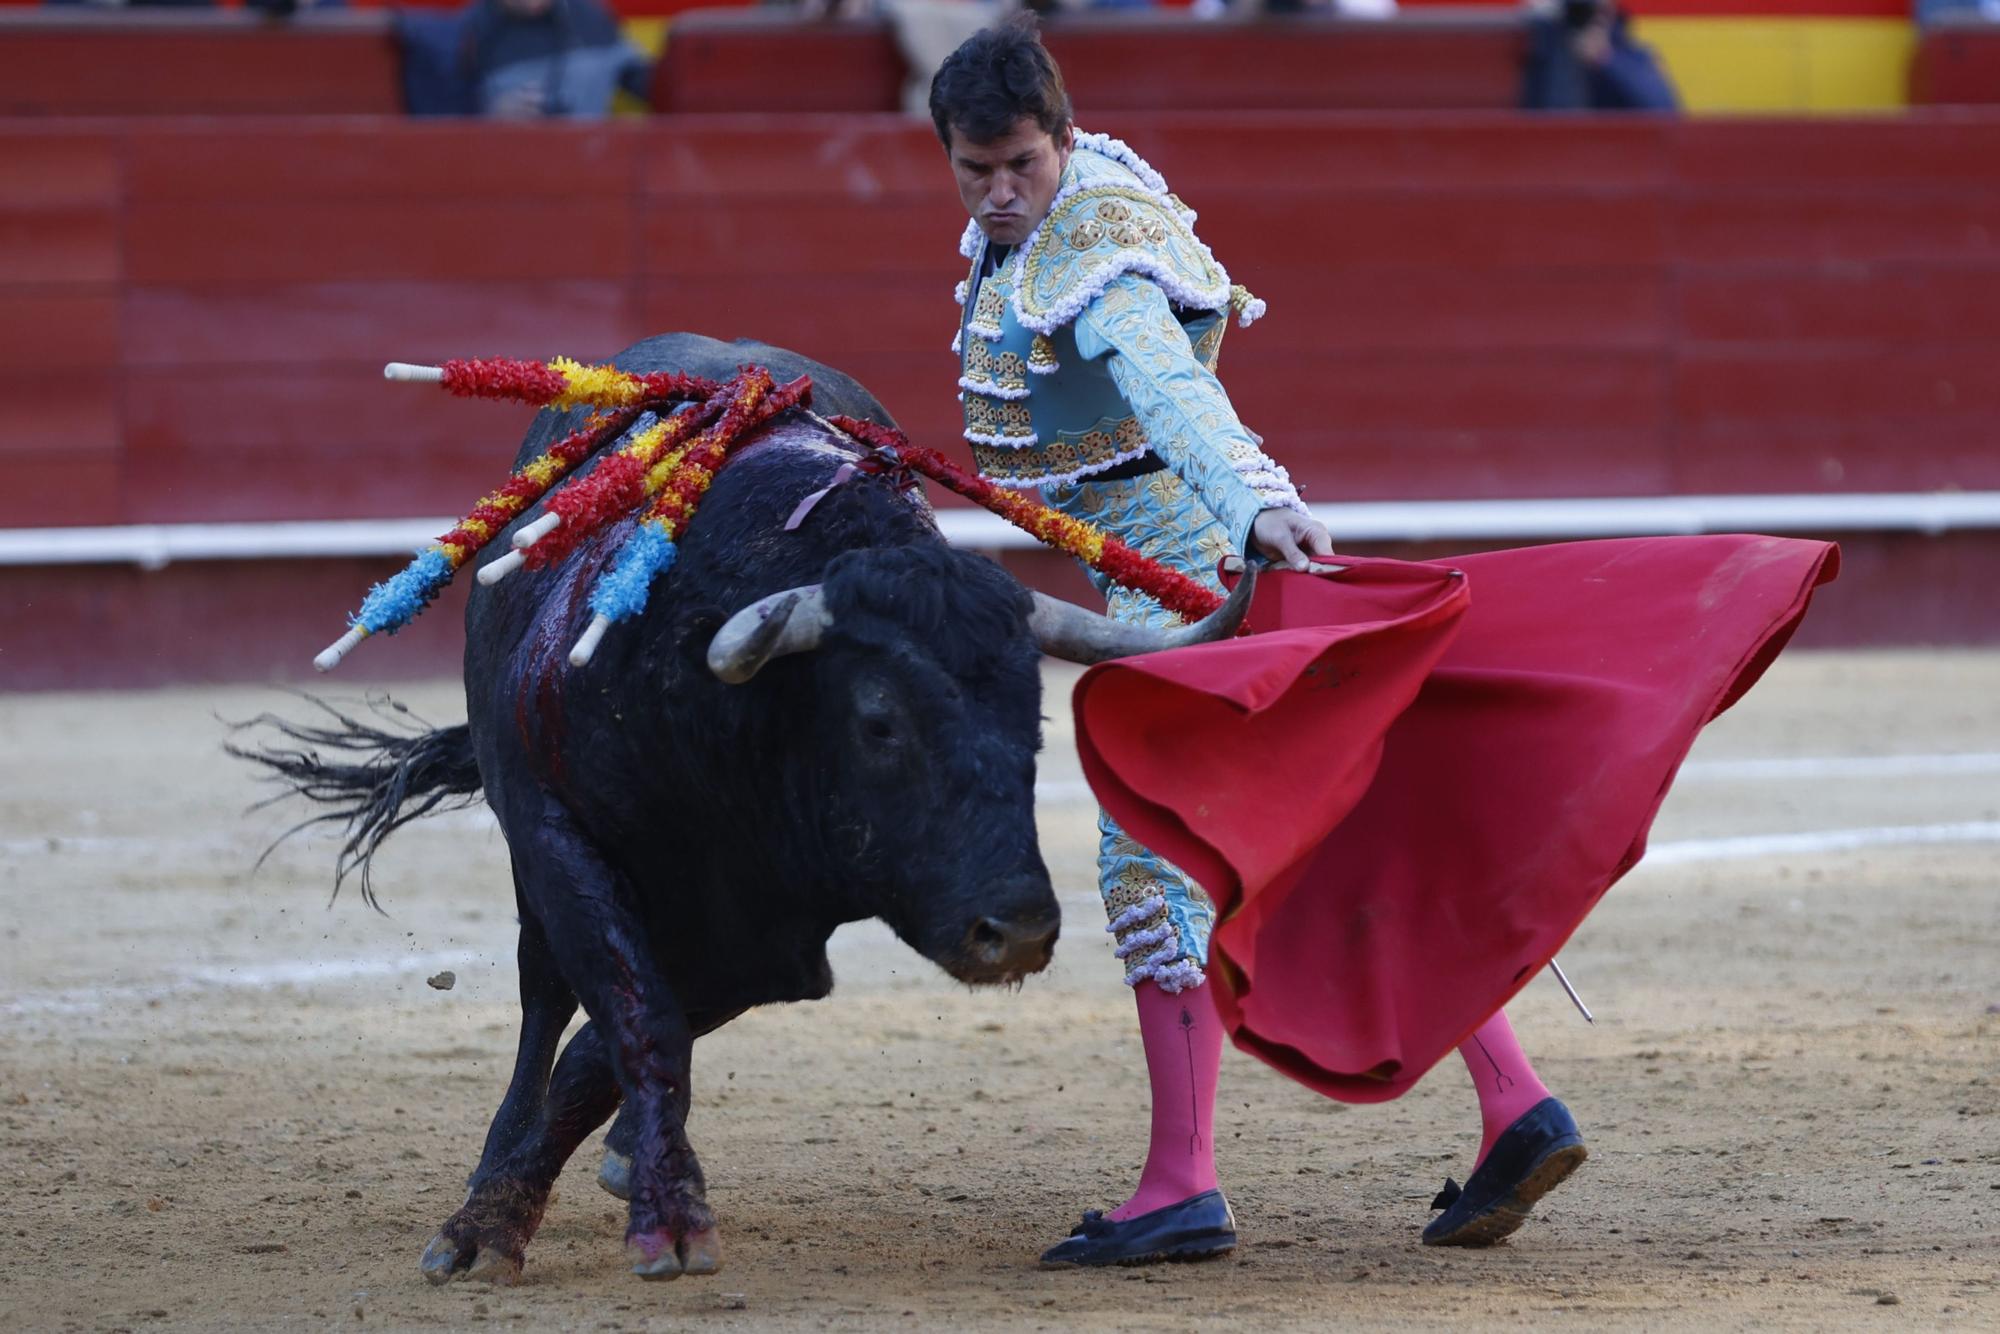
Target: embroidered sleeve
[{"x": 1187, "y": 417}]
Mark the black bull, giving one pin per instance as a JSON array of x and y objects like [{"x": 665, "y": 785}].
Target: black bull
[{"x": 683, "y": 847}]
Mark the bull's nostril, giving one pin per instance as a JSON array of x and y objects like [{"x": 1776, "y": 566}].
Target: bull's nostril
[{"x": 988, "y": 938}]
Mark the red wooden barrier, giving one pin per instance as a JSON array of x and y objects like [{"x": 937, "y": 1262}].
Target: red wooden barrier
[
  {"x": 74, "y": 61},
  {"x": 71, "y": 61},
  {"x": 90, "y": 627},
  {"x": 1140, "y": 61},
  {"x": 193, "y": 314},
  {"x": 764, "y": 60},
  {"x": 1957, "y": 63},
  {"x": 758, "y": 59}
]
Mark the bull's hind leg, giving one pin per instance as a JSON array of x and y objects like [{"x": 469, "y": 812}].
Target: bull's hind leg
[
  {"x": 601, "y": 946},
  {"x": 509, "y": 1189}
]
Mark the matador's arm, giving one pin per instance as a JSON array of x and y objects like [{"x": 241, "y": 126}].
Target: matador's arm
[{"x": 1188, "y": 419}]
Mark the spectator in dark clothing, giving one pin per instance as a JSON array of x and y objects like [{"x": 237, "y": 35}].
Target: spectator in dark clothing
[
  {"x": 1930, "y": 11},
  {"x": 1581, "y": 56},
  {"x": 526, "y": 58}
]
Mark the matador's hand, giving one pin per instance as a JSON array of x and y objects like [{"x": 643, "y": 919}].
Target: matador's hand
[{"x": 1289, "y": 538}]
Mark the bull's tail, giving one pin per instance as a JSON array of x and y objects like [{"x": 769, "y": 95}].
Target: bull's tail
[{"x": 376, "y": 779}]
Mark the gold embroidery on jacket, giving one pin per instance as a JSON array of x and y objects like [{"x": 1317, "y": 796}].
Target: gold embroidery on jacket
[{"x": 988, "y": 370}]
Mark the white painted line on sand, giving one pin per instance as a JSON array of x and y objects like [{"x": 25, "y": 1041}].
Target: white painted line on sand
[
  {"x": 1687, "y": 851},
  {"x": 1846, "y": 766},
  {"x": 1055, "y": 791},
  {"x": 270, "y": 974},
  {"x": 47, "y": 844},
  {"x": 261, "y": 976},
  {"x": 1060, "y": 792}
]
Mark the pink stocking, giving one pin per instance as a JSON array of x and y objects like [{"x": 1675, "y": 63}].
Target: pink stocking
[
  {"x": 1506, "y": 1082},
  {"x": 1183, "y": 1040}
]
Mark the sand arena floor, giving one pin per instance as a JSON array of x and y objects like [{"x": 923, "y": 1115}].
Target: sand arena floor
[{"x": 224, "y": 1105}]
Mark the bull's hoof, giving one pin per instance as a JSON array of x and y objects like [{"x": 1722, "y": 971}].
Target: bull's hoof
[
  {"x": 702, "y": 1253},
  {"x": 441, "y": 1259},
  {"x": 659, "y": 1255},
  {"x": 487, "y": 1239},
  {"x": 448, "y": 1257},
  {"x": 495, "y": 1267},
  {"x": 615, "y": 1174}
]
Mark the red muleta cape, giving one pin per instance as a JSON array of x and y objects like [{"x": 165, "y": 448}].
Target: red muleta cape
[{"x": 1412, "y": 781}]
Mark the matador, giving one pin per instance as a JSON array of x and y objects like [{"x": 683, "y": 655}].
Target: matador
[{"x": 1089, "y": 337}]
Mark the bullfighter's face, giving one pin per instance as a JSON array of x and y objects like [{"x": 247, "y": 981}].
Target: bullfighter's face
[{"x": 1008, "y": 185}]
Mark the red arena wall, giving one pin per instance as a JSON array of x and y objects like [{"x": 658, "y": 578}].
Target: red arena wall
[{"x": 194, "y": 314}]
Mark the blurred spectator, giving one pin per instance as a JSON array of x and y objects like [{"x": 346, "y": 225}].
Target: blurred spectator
[
  {"x": 430, "y": 43},
  {"x": 1581, "y": 56},
  {"x": 1929, "y": 11},
  {"x": 284, "y": 9},
  {"x": 527, "y": 58},
  {"x": 929, "y": 30}
]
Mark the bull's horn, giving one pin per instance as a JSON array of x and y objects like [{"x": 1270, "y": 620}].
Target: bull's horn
[
  {"x": 789, "y": 622},
  {"x": 1067, "y": 631}
]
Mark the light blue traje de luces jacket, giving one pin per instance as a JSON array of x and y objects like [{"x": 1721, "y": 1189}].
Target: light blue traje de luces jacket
[{"x": 1095, "y": 341}]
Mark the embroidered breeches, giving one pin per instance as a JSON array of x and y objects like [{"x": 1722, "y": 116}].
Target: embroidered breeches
[{"x": 1160, "y": 917}]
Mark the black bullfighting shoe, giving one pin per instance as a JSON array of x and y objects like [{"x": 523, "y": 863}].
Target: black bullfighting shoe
[
  {"x": 1195, "y": 1229},
  {"x": 1529, "y": 1160}
]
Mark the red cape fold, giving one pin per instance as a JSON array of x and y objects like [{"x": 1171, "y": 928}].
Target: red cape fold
[{"x": 1412, "y": 781}]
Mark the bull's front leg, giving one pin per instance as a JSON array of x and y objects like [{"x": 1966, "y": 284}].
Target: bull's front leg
[
  {"x": 600, "y": 944},
  {"x": 672, "y": 1229}
]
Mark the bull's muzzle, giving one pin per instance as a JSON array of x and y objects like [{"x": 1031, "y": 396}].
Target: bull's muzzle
[{"x": 1006, "y": 947}]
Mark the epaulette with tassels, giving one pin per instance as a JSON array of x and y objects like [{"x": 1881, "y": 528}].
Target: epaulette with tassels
[{"x": 677, "y": 431}]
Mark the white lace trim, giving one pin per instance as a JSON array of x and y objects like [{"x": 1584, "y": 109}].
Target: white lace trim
[
  {"x": 1136, "y": 914},
  {"x": 1050, "y": 369},
  {"x": 1166, "y": 953},
  {"x": 1171, "y": 974},
  {"x": 1145, "y": 940},
  {"x": 1072, "y": 477},
  {"x": 958, "y": 342},
  {"x": 1177, "y": 291},
  {"x": 1073, "y": 305},
  {"x": 1272, "y": 483},
  {"x": 1173, "y": 978},
  {"x": 1003, "y": 441},
  {"x": 1128, "y": 261},
  {"x": 992, "y": 390},
  {"x": 959, "y": 292},
  {"x": 1121, "y": 152}
]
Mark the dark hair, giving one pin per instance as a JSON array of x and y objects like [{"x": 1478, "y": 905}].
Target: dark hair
[{"x": 998, "y": 76}]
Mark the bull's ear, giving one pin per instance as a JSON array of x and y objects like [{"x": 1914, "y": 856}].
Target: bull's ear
[
  {"x": 793, "y": 621},
  {"x": 1067, "y": 631}
]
